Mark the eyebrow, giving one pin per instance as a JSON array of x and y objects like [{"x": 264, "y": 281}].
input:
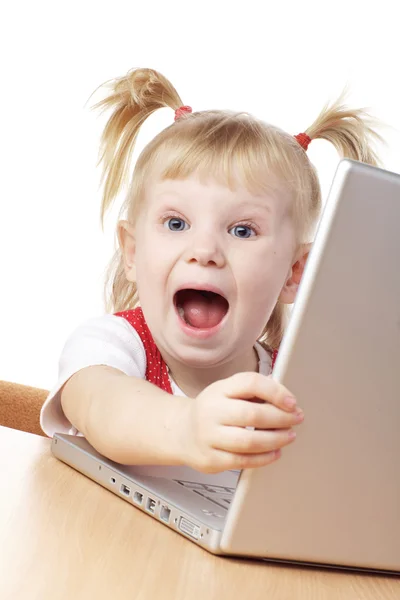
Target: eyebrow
[
  {"x": 167, "y": 192},
  {"x": 177, "y": 195},
  {"x": 259, "y": 204}
]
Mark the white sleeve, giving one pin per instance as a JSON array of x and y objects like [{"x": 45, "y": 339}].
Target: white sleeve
[{"x": 106, "y": 340}]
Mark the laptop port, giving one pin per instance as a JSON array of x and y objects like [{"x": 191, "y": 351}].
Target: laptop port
[
  {"x": 138, "y": 498},
  {"x": 165, "y": 514},
  {"x": 189, "y": 528},
  {"x": 151, "y": 505},
  {"x": 125, "y": 490}
]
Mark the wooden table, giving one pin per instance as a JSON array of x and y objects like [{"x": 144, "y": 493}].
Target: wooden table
[{"x": 63, "y": 536}]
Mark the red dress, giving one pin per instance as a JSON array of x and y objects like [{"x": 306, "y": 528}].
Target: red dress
[{"x": 156, "y": 368}]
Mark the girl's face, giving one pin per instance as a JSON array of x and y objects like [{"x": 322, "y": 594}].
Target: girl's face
[{"x": 210, "y": 264}]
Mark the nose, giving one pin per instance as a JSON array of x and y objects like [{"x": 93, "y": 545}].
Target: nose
[{"x": 205, "y": 249}]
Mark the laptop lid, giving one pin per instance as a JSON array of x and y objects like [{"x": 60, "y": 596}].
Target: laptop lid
[{"x": 334, "y": 496}]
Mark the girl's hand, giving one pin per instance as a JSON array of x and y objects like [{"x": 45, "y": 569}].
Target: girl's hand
[{"x": 214, "y": 435}]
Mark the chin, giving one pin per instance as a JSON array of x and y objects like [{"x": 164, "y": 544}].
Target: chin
[{"x": 201, "y": 358}]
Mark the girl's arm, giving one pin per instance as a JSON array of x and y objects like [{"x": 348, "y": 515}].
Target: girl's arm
[
  {"x": 127, "y": 419},
  {"x": 131, "y": 421}
]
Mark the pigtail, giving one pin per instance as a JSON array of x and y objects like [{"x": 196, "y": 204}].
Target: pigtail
[
  {"x": 351, "y": 131},
  {"x": 132, "y": 99}
]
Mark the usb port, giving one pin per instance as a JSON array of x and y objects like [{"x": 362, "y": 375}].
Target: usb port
[
  {"x": 138, "y": 498},
  {"x": 125, "y": 490},
  {"x": 165, "y": 514},
  {"x": 151, "y": 505}
]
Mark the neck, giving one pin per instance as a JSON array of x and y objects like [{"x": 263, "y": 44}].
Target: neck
[{"x": 193, "y": 380}]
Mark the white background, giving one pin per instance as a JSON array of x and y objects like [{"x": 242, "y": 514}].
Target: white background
[{"x": 279, "y": 60}]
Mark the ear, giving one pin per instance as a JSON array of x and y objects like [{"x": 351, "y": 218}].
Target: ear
[
  {"x": 290, "y": 289},
  {"x": 127, "y": 243}
]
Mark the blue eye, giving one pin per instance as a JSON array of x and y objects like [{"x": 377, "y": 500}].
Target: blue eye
[
  {"x": 175, "y": 224},
  {"x": 242, "y": 231}
]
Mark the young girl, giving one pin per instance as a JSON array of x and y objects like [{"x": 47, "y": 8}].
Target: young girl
[{"x": 218, "y": 216}]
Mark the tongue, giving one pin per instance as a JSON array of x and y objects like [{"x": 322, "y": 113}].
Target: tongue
[{"x": 202, "y": 311}]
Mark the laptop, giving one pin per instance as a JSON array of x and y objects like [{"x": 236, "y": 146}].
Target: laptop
[{"x": 333, "y": 499}]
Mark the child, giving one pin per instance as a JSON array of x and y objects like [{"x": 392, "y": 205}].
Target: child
[{"x": 218, "y": 216}]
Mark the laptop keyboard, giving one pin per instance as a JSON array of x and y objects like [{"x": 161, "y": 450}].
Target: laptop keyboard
[{"x": 219, "y": 495}]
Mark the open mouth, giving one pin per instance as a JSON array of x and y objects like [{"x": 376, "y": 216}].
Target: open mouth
[{"x": 200, "y": 309}]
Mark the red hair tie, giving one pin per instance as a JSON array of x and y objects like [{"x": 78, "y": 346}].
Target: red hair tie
[
  {"x": 181, "y": 111},
  {"x": 304, "y": 140}
]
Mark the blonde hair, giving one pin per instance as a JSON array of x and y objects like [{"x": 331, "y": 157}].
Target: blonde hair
[{"x": 217, "y": 143}]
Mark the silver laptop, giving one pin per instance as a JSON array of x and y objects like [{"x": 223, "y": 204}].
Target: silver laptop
[{"x": 334, "y": 497}]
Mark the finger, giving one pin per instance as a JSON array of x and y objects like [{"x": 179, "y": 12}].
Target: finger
[
  {"x": 241, "y": 413},
  {"x": 223, "y": 461},
  {"x": 247, "y": 386},
  {"x": 245, "y": 441}
]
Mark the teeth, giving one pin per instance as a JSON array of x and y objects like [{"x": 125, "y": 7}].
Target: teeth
[{"x": 181, "y": 313}]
